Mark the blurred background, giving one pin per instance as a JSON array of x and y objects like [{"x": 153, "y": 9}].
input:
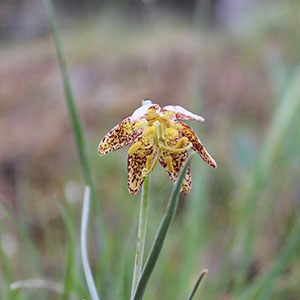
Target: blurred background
[{"x": 231, "y": 61}]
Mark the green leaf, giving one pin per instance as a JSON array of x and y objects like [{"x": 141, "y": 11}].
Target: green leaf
[
  {"x": 261, "y": 289},
  {"x": 75, "y": 121},
  {"x": 83, "y": 238},
  {"x": 71, "y": 250},
  {"x": 160, "y": 235}
]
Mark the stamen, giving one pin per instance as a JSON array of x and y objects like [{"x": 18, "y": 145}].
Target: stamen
[
  {"x": 170, "y": 167},
  {"x": 136, "y": 146},
  {"x": 149, "y": 131},
  {"x": 151, "y": 115},
  {"x": 175, "y": 149},
  {"x": 149, "y": 137},
  {"x": 183, "y": 142},
  {"x": 150, "y": 164},
  {"x": 171, "y": 133},
  {"x": 158, "y": 130}
]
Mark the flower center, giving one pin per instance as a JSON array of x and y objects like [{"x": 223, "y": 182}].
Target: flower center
[{"x": 160, "y": 135}]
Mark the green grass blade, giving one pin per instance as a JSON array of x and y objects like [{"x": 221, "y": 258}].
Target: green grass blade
[
  {"x": 76, "y": 124},
  {"x": 286, "y": 113},
  {"x": 75, "y": 120},
  {"x": 48, "y": 285},
  {"x": 160, "y": 235},
  {"x": 6, "y": 275},
  {"x": 261, "y": 289},
  {"x": 141, "y": 237},
  {"x": 85, "y": 262},
  {"x": 197, "y": 283},
  {"x": 25, "y": 236},
  {"x": 71, "y": 251},
  {"x": 194, "y": 230}
]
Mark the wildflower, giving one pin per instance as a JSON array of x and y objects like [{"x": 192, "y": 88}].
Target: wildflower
[{"x": 156, "y": 134}]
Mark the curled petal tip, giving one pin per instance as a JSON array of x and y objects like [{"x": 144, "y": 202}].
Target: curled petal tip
[
  {"x": 183, "y": 114},
  {"x": 146, "y": 102},
  {"x": 214, "y": 165},
  {"x": 101, "y": 151}
]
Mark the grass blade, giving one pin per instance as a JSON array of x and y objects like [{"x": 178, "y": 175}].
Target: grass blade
[
  {"x": 262, "y": 287},
  {"x": 160, "y": 235},
  {"x": 24, "y": 232},
  {"x": 76, "y": 124},
  {"x": 286, "y": 112},
  {"x": 83, "y": 244},
  {"x": 38, "y": 284},
  {"x": 196, "y": 285},
  {"x": 74, "y": 118},
  {"x": 71, "y": 251},
  {"x": 141, "y": 237}
]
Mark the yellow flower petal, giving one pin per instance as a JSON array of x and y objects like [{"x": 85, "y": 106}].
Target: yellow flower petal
[
  {"x": 141, "y": 160},
  {"x": 188, "y": 132},
  {"x": 172, "y": 162},
  {"x": 120, "y": 136},
  {"x": 156, "y": 133}
]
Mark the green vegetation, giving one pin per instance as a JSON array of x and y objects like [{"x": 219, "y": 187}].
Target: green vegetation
[{"x": 241, "y": 221}]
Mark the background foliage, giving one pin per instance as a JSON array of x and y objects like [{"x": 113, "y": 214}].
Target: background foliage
[{"x": 237, "y": 65}]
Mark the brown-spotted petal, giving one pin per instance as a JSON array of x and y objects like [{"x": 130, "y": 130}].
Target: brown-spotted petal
[
  {"x": 140, "y": 162},
  {"x": 183, "y": 114},
  {"x": 172, "y": 162},
  {"x": 120, "y": 136},
  {"x": 188, "y": 132},
  {"x": 187, "y": 182}
]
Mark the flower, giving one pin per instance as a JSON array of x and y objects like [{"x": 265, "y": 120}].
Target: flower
[{"x": 156, "y": 134}]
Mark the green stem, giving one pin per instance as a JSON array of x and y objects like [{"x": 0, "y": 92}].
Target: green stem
[
  {"x": 76, "y": 123},
  {"x": 285, "y": 114},
  {"x": 196, "y": 285},
  {"x": 160, "y": 235},
  {"x": 141, "y": 237},
  {"x": 83, "y": 246}
]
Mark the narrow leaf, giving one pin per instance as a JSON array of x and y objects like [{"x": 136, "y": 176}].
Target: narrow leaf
[
  {"x": 75, "y": 120},
  {"x": 196, "y": 285},
  {"x": 261, "y": 289},
  {"x": 160, "y": 235},
  {"x": 83, "y": 244}
]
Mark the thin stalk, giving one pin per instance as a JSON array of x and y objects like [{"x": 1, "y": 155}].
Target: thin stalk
[
  {"x": 71, "y": 249},
  {"x": 263, "y": 287},
  {"x": 160, "y": 235},
  {"x": 141, "y": 237},
  {"x": 74, "y": 118},
  {"x": 83, "y": 246},
  {"x": 287, "y": 112},
  {"x": 197, "y": 283},
  {"x": 38, "y": 284}
]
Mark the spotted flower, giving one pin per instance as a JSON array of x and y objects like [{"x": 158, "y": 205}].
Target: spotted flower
[{"x": 156, "y": 134}]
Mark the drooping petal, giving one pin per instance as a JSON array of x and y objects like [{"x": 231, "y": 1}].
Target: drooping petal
[
  {"x": 172, "y": 162},
  {"x": 120, "y": 136},
  {"x": 141, "y": 160},
  {"x": 187, "y": 182},
  {"x": 188, "y": 132},
  {"x": 183, "y": 114}
]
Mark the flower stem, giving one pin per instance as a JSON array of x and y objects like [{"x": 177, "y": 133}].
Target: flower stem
[
  {"x": 160, "y": 235},
  {"x": 141, "y": 237}
]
